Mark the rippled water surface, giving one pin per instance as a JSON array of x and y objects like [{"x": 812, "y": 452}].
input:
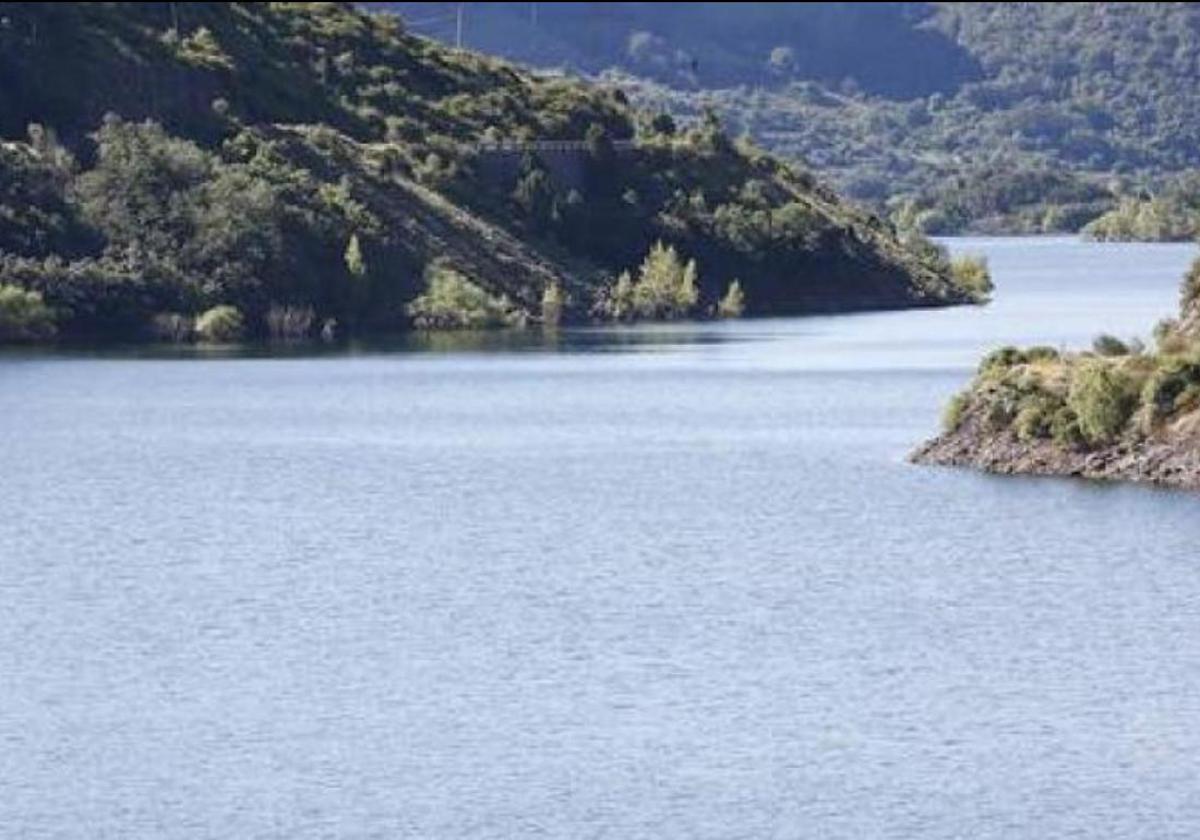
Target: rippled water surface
[{"x": 646, "y": 583}]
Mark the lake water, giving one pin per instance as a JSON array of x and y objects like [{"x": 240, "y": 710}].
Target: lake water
[{"x": 645, "y": 583}]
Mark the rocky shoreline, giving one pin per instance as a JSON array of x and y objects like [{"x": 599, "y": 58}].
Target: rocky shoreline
[{"x": 1170, "y": 459}]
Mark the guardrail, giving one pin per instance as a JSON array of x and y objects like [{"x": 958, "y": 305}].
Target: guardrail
[{"x": 542, "y": 145}]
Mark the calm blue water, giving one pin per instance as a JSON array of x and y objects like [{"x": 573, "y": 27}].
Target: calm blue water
[{"x": 672, "y": 583}]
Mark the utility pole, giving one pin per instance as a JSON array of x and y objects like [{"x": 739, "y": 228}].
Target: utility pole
[{"x": 458, "y": 27}]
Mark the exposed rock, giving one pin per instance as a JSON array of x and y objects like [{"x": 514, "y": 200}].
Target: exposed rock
[{"x": 1170, "y": 457}]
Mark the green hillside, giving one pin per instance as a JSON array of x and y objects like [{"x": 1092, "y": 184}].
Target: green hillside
[
  {"x": 310, "y": 164},
  {"x": 933, "y": 104}
]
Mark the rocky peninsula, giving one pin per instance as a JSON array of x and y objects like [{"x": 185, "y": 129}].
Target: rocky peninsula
[{"x": 1117, "y": 412}]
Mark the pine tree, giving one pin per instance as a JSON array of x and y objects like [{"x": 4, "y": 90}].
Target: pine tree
[
  {"x": 623, "y": 303},
  {"x": 360, "y": 287},
  {"x": 733, "y": 304},
  {"x": 659, "y": 281},
  {"x": 553, "y": 302},
  {"x": 356, "y": 264},
  {"x": 687, "y": 293}
]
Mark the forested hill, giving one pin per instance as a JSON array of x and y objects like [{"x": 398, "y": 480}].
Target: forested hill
[
  {"x": 288, "y": 166},
  {"x": 712, "y": 45},
  {"x": 1045, "y": 114}
]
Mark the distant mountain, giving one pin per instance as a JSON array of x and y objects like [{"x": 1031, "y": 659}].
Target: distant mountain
[
  {"x": 893, "y": 100},
  {"x": 308, "y": 164},
  {"x": 712, "y": 45}
]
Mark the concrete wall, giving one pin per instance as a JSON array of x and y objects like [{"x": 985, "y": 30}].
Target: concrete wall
[{"x": 565, "y": 161}]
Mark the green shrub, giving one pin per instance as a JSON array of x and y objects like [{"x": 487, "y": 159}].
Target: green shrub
[
  {"x": 1109, "y": 345},
  {"x": 1170, "y": 339},
  {"x": 201, "y": 49},
  {"x": 24, "y": 316},
  {"x": 1001, "y": 359},
  {"x": 1191, "y": 286},
  {"x": 998, "y": 416},
  {"x": 972, "y": 275},
  {"x": 1017, "y": 400},
  {"x": 1035, "y": 419},
  {"x": 1102, "y": 399},
  {"x": 1164, "y": 329},
  {"x": 221, "y": 325},
  {"x": 955, "y": 411},
  {"x": 1064, "y": 428},
  {"x": 1161, "y": 393},
  {"x": 451, "y": 301},
  {"x": 1041, "y": 353},
  {"x": 534, "y": 194}
]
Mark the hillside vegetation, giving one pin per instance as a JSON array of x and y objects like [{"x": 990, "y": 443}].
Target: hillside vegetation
[
  {"x": 984, "y": 116},
  {"x": 1171, "y": 215},
  {"x": 316, "y": 169},
  {"x": 714, "y": 45}
]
